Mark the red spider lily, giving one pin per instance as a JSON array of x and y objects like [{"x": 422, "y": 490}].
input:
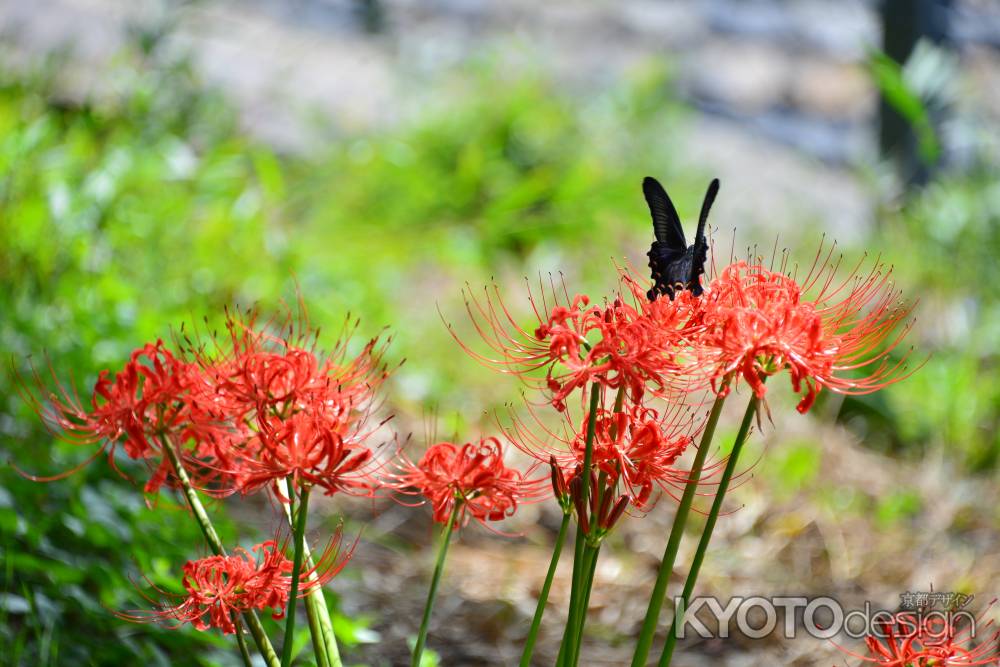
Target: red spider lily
[
  {"x": 756, "y": 322},
  {"x": 148, "y": 401},
  {"x": 290, "y": 411},
  {"x": 218, "y": 588},
  {"x": 631, "y": 447},
  {"x": 304, "y": 449},
  {"x": 636, "y": 446},
  {"x": 472, "y": 474},
  {"x": 917, "y": 639},
  {"x": 262, "y": 378},
  {"x": 860, "y": 313},
  {"x": 574, "y": 342}
]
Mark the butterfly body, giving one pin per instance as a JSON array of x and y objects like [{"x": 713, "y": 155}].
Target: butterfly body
[{"x": 675, "y": 266}]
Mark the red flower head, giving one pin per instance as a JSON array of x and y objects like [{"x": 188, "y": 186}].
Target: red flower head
[
  {"x": 473, "y": 475},
  {"x": 636, "y": 447},
  {"x": 148, "y": 401},
  {"x": 757, "y": 322},
  {"x": 289, "y": 411},
  {"x": 218, "y": 588},
  {"x": 303, "y": 448},
  {"x": 576, "y": 343},
  {"x": 935, "y": 639}
]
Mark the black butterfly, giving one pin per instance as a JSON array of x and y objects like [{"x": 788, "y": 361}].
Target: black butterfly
[{"x": 675, "y": 265}]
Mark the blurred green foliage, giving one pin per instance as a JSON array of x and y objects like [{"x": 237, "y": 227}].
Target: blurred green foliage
[
  {"x": 947, "y": 237},
  {"x": 792, "y": 468},
  {"x": 898, "y": 506},
  {"x": 943, "y": 239}
]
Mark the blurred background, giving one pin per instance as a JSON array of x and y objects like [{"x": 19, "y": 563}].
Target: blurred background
[{"x": 160, "y": 161}]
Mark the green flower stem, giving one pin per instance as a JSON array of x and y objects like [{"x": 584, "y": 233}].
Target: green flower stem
[
  {"x": 561, "y": 658},
  {"x": 201, "y": 516},
  {"x": 316, "y": 607},
  {"x": 587, "y": 580},
  {"x": 619, "y": 399},
  {"x": 194, "y": 502},
  {"x": 418, "y": 649},
  {"x": 578, "y": 573},
  {"x": 242, "y": 642},
  {"x": 573, "y": 595},
  {"x": 316, "y": 634},
  {"x": 674, "y": 541},
  {"x": 568, "y": 649},
  {"x": 320, "y": 625},
  {"x": 590, "y": 563},
  {"x": 706, "y": 536},
  {"x": 529, "y": 644},
  {"x": 300, "y": 514}
]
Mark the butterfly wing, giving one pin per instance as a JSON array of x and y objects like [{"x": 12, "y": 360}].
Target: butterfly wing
[
  {"x": 700, "y": 242},
  {"x": 666, "y": 223}
]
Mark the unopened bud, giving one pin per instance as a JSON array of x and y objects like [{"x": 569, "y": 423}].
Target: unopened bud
[
  {"x": 558, "y": 479},
  {"x": 616, "y": 513}
]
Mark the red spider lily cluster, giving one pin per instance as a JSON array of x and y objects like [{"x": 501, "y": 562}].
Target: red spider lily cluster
[
  {"x": 914, "y": 639},
  {"x": 242, "y": 416},
  {"x": 221, "y": 588},
  {"x": 284, "y": 412},
  {"x": 749, "y": 323},
  {"x": 658, "y": 358},
  {"x": 260, "y": 408}
]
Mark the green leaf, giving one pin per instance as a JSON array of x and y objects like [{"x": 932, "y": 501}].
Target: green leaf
[{"x": 888, "y": 77}]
